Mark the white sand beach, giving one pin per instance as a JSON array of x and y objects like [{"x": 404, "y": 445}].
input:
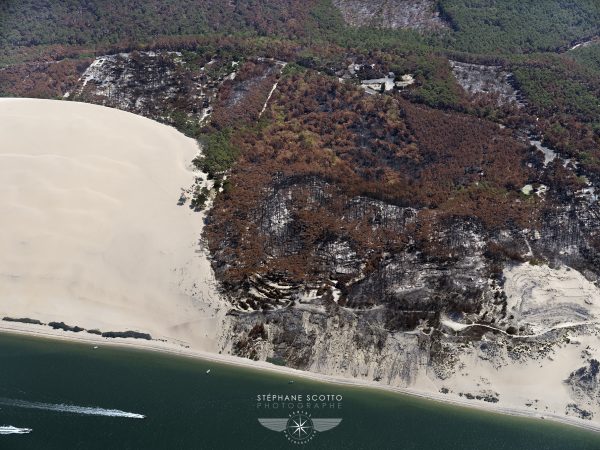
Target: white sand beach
[
  {"x": 91, "y": 231},
  {"x": 92, "y": 236}
]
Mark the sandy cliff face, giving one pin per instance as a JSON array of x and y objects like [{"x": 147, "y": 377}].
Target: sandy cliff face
[
  {"x": 533, "y": 342},
  {"x": 459, "y": 325}
]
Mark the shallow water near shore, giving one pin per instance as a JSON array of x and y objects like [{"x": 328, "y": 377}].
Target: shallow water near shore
[{"x": 74, "y": 396}]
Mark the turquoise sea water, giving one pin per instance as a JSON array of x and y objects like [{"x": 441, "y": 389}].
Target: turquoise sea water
[{"x": 74, "y": 396}]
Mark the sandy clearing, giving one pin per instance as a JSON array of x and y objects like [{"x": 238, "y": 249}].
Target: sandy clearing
[{"x": 91, "y": 231}]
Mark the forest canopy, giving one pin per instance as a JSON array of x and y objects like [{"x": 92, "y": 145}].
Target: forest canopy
[
  {"x": 490, "y": 26},
  {"x": 475, "y": 26}
]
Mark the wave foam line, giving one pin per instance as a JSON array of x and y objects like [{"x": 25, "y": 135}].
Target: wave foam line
[
  {"x": 14, "y": 430},
  {"x": 91, "y": 411}
]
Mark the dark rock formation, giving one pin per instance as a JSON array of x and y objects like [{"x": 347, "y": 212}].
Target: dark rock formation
[
  {"x": 64, "y": 327},
  {"x": 127, "y": 334},
  {"x": 23, "y": 320}
]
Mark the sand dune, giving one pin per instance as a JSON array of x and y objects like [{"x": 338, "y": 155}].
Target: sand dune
[
  {"x": 91, "y": 231},
  {"x": 544, "y": 298}
]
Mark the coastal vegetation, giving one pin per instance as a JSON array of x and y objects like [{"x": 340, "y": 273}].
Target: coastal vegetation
[
  {"x": 564, "y": 96},
  {"x": 304, "y": 131},
  {"x": 77, "y": 22},
  {"x": 521, "y": 26},
  {"x": 588, "y": 56},
  {"x": 416, "y": 156}
]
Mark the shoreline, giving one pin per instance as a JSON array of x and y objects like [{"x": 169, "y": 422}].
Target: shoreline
[{"x": 173, "y": 350}]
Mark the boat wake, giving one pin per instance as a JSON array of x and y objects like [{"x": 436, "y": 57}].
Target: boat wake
[
  {"x": 14, "y": 430},
  {"x": 91, "y": 411}
]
